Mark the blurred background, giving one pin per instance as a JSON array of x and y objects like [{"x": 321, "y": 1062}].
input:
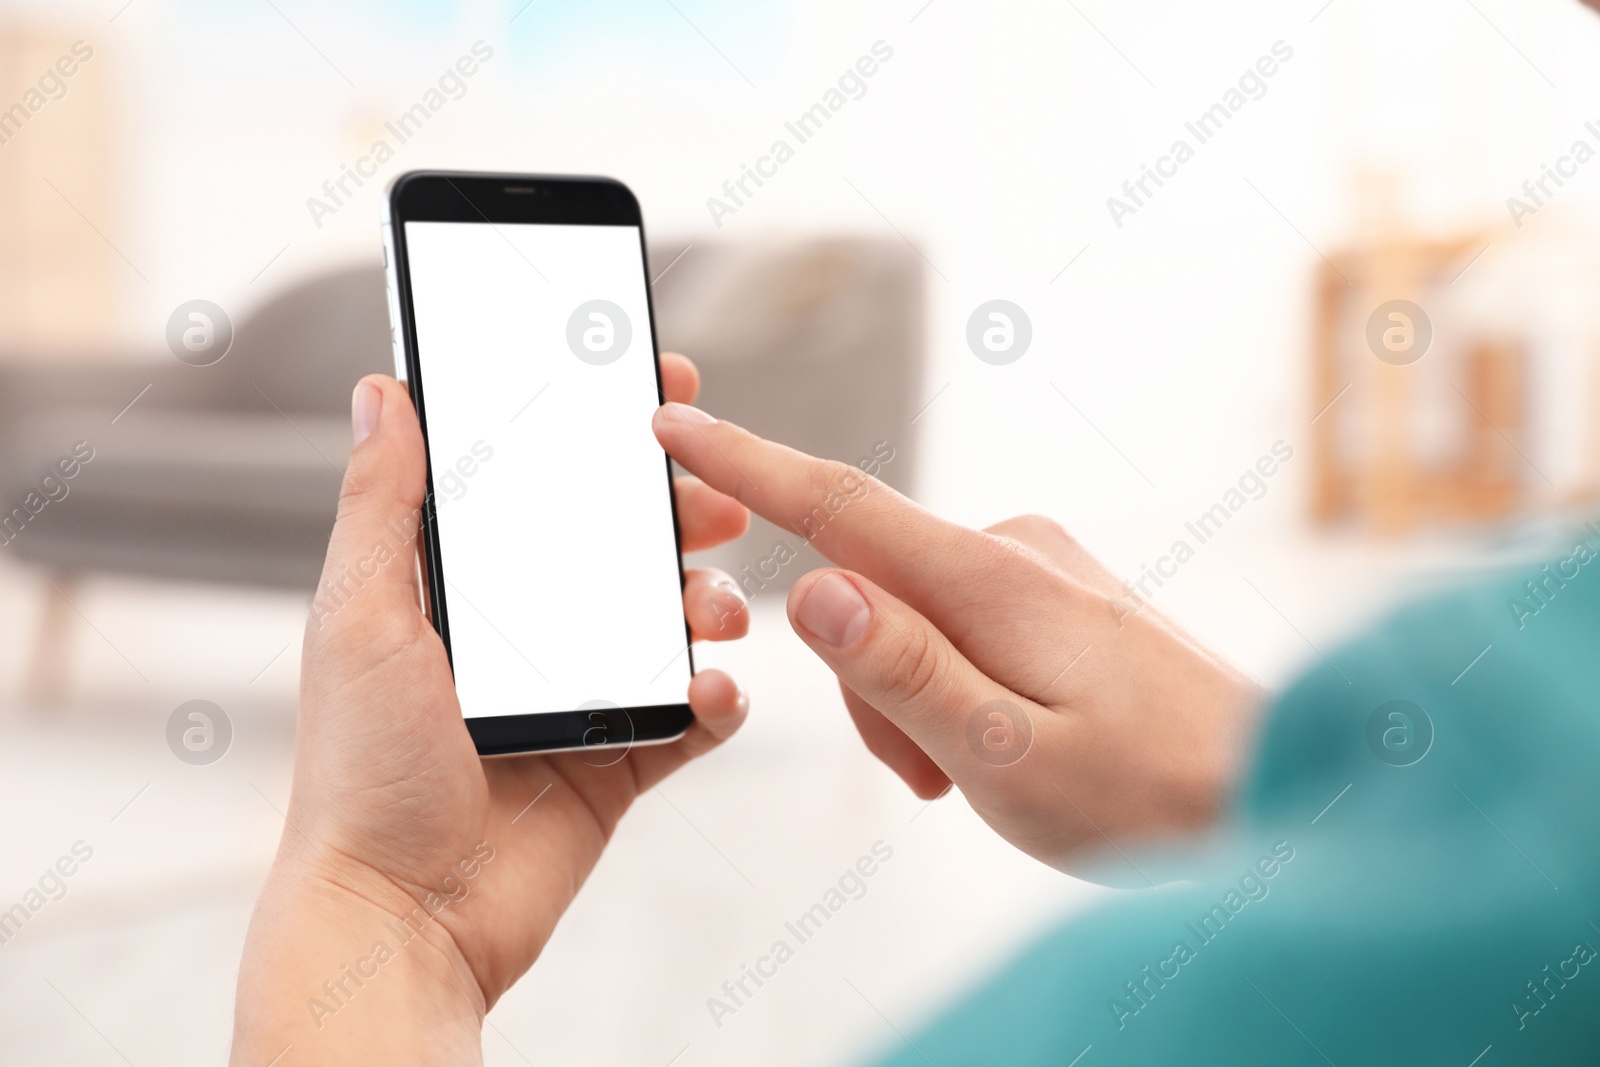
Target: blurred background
[{"x": 1372, "y": 260}]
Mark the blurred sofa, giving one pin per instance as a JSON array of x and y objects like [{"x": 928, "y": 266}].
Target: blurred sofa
[{"x": 224, "y": 473}]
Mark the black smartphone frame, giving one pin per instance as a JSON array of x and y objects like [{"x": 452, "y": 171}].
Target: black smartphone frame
[{"x": 495, "y": 199}]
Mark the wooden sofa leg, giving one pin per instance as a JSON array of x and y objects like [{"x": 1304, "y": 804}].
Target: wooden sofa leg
[{"x": 48, "y": 667}]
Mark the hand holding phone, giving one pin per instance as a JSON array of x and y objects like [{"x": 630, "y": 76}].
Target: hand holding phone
[{"x": 397, "y": 834}]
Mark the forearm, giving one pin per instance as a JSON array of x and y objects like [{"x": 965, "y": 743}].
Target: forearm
[{"x": 333, "y": 975}]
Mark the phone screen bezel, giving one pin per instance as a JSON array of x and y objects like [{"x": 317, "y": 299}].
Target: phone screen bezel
[{"x": 490, "y": 199}]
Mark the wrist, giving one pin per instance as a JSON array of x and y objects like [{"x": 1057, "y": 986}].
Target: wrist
[{"x": 341, "y": 966}]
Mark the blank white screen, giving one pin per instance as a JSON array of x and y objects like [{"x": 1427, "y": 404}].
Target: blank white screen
[{"x": 559, "y": 559}]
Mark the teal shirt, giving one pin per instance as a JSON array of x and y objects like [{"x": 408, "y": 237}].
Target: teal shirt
[{"x": 1420, "y": 889}]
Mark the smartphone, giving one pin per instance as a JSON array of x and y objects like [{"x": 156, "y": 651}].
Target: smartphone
[{"x": 524, "y": 330}]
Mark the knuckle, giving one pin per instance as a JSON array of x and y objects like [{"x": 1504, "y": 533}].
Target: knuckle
[
  {"x": 915, "y": 670},
  {"x": 830, "y": 486},
  {"x": 831, "y": 476},
  {"x": 355, "y": 493},
  {"x": 362, "y": 629},
  {"x": 1035, "y": 530},
  {"x": 1037, "y": 543},
  {"x": 1007, "y": 552},
  {"x": 356, "y": 606}
]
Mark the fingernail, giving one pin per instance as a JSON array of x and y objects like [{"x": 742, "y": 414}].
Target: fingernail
[
  {"x": 366, "y": 404},
  {"x": 686, "y": 413},
  {"x": 834, "y": 611}
]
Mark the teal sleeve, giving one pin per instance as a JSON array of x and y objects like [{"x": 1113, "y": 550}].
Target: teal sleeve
[{"x": 1420, "y": 889}]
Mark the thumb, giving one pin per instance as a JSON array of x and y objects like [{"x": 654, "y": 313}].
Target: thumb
[
  {"x": 901, "y": 664},
  {"x": 371, "y": 564}
]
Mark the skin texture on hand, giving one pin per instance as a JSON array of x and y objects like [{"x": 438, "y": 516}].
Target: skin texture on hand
[
  {"x": 1004, "y": 661},
  {"x": 415, "y": 882}
]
